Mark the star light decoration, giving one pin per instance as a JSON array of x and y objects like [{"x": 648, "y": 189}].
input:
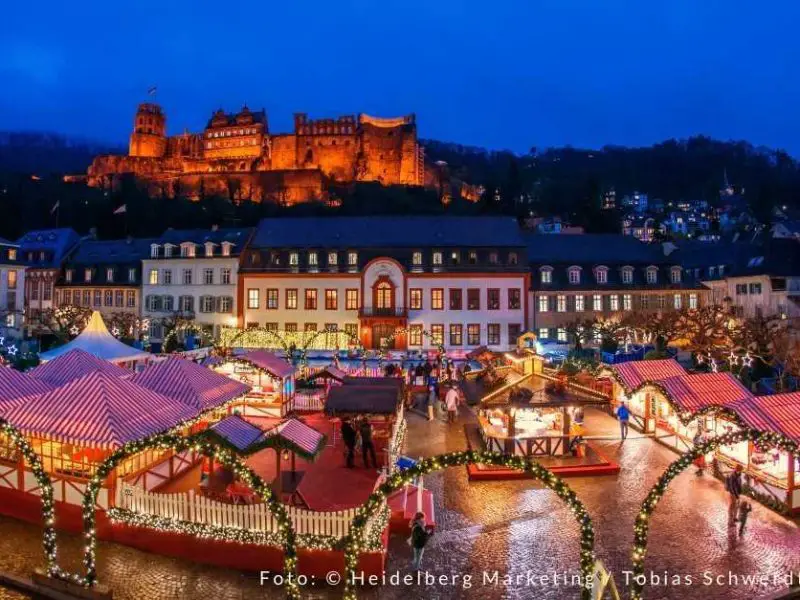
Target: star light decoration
[
  {"x": 762, "y": 439},
  {"x": 362, "y": 529}
]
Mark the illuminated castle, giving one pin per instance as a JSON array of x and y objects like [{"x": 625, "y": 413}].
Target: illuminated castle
[{"x": 236, "y": 156}]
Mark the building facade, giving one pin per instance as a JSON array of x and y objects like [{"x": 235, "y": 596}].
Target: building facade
[
  {"x": 43, "y": 252},
  {"x": 405, "y": 282},
  {"x": 12, "y": 290},
  {"x": 103, "y": 275},
  {"x": 193, "y": 273},
  {"x": 585, "y": 277}
]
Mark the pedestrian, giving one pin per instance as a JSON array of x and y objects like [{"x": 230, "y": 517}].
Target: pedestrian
[
  {"x": 745, "y": 508},
  {"x": 349, "y": 439},
  {"x": 451, "y": 401},
  {"x": 420, "y": 534},
  {"x": 699, "y": 440},
  {"x": 367, "y": 445},
  {"x": 733, "y": 483},
  {"x": 431, "y": 401},
  {"x": 624, "y": 415}
]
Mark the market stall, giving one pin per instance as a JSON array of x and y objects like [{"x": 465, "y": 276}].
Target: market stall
[{"x": 271, "y": 379}]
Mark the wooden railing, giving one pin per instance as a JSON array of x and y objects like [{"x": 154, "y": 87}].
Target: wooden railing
[
  {"x": 306, "y": 401},
  {"x": 197, "y": 509}
]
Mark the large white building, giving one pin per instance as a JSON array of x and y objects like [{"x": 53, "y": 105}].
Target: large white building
[
  {"x": 411, "y": 282},
  {"x": 192, "y": 273}
]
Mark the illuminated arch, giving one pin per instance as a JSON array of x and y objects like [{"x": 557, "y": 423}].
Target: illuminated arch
[
  {"x": 191, "y": 328},
  {"x": 642, "y": 525},
  {"x": 46, "y": 489},
  {"x": 355, "y": 538},
  {"x": 258, "y": 331},
  {"x": 405, "y": 331},
  {"x": 207, "y": 447},
  {"x": 354, "y": 339}
]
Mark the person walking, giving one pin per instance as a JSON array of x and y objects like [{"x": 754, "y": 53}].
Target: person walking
[
  {"x": 699, "y": 440},
  {"x": 745, "y": 508},
  {"x": 624, "y": 415},
  {"x": 431, "y": 401},
  {"x": 367, "y": 445},
  {"x": 420, "y": 534},
  {"x": 451, "y": 402},
  {"x": 349, "y": 439},
  {"x": 733, "y": 484}
]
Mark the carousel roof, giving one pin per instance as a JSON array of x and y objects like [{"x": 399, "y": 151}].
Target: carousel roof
[
  {"x": 190, "y": 383},
  {"x": 97, "y": 341},
  {"x": 635, "y": 373},
  {"x": 701, "y": 390},
  {"x": 99, "y": 410},
  {"x": 15, "y": 385},
  {"x": 72, "y": 365},
  {"x": 269, "y": 362}
]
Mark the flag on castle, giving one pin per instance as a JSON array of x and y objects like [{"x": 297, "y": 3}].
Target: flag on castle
[
  {"x": 152, "y": 91},
  {"x": 122, "y": 209},
  {"x": 55, "y": 207}
]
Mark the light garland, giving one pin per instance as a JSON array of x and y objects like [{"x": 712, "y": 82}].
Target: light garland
[
  {"x": 355, "y": 542},
  {"x": 208, "y": 448},
  {"x": 641, "y": 527},
  {"x": 189, "y": 328}
]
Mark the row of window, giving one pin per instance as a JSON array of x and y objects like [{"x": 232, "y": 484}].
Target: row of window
[
  {"x": 188, "y": 250},
  {"x": 601, "y": 274},
  {"x": 417, "y": 259},
  {"x": 206, "y": 304},
  {"x": 230, "y": 132},
  {"x": 473, "y": 299},
  {"x": 742, "y": 289},
  {"x": 612, "y": 302},
  {"x": 88, "y": 275},
  {"x": 209, "y": 276},
  {"x": 310, "y": 299},
  {"x": 232, "y": 143},
  {"x": 43, "y": 289},
  {"x": 116, "y": 298}
]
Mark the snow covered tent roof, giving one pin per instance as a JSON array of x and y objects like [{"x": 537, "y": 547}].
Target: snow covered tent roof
[
  {"x": 190, "y": 383},
  {"x": 97, "y": 341},
  {"x": 74, "y": 364}
]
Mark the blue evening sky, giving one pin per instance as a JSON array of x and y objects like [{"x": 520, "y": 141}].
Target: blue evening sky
[{"x": 501, "y": 74}]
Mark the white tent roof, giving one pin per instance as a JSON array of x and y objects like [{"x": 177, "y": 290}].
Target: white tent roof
[{"x": 96, "y": 340}]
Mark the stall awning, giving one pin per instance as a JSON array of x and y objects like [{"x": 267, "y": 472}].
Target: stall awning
[
  {"x": 75, "y": 364},
  {"x": 190, "y": 383},
  {"x": 238, "y": 432},
  {"x": 635, "y": 373},
  {"x": 701, "y": 390},
  {"x": 269, "y": 362},
  {"x": 354, "y": 399},
  {"x": 99, "y": 411},
  {"x": 97, "y": 341},
  {"x": 782, "y": 411},
  {"x": 329, "y": 372},
  {"x": 295, "y": 435},
  {"x": 15, "y": 386}
]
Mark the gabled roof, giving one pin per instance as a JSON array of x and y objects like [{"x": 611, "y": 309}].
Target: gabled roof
[
  {"x": 388, "y": 232},
  {"x": 190, "y": 383},
  {"x": 97, "y": 341},
  {"x": 295, "y": 435},
  {"x": 74, "y": 364},
  {"x": 56, "y": 241},
  {"x": 635, "y": 373},
  {"x": 239, "y": 433},
  {"x": 693, "y": 392},
  {"x": 100, "y": 411},
  {"x": 269, "y": 362}
]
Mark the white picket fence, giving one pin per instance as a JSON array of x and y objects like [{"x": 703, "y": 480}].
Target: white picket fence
[{"x": 197, "y": 509}]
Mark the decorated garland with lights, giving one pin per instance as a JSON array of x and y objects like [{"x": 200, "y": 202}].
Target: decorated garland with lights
[
  {"x": 188, "y": 328},
  {"x": 206, "y": 447},
  {"x": 641, "y": 527},
  {"x": 354, "y": 342},
  {"x": 355, "y": 541},
  {"x": 404, "y": 331},
  {"x": 267, "y": 335},
  {"x": 46, "y": 491}
]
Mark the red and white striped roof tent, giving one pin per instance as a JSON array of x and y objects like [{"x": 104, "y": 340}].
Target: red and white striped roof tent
[
  {"x": 238, "y": 432},
  {"x": 752, "y": 414},
  {"x": 73, "y": 365},
  {"x": 269, "y": 362},
  {"x": 298, "y": 433},
  {"x": 635, "y": 373},
  {"x": 190, "y": 383},
  {"x": 99, "y": 411},
  {"x": 700, "y": 390},
  {"x": 783, "y": 411},
  {"x": 16, "y": 386}
]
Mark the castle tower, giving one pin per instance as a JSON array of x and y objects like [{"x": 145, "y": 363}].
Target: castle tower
[{"x": 149, "y": 137}]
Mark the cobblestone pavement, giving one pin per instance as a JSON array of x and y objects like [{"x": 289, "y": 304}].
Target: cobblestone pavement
[{"x": 508, "y": 528}]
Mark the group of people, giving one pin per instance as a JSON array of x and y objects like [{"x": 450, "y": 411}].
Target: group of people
[
  {"x": 453, "y": 399},
  {"x": 353, "y": 432}
]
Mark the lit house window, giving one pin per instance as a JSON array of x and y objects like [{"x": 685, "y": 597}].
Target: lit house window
[
  {"x": 416, "y": 259},
  {"x": 579, "y": 306},
  {"x": 574, "y": 275},
  {"x": 252, "y": 298},
  {"x": 676, "y": 301},
  {"x": 226, "y": 248},
  {"x": 12, "y": 254},
  {"x": 544, "y": 333},
  {"x": 652, "y": 275},
  {"x": 543, "y": 303},
  {"x": 153, "y": 277},
  {"x": 601, "y": 273},
  {"x": 627, "y": 302},
  {"x": 209, "y": 252},
  {"x": 613, "y": 301},
  {"x": 333, "y": 259},
  {"x": 561, "y": 334},
  {"x": 87, "y": 275},
  {"x": 693, "y": 301},
  {"x": 597, "y": 302},
  {"x": 546, "y": 275},
  {"x": 312, "y": 259},
  {"x": 627, "y": 275},
  {"x": 437, "y": 259},
  {"x": 352, "y": 259},
  {"x": 561, "y": 303},
  {"x": 153, "y": 250},
  {"x": 675, "y": 274},
  {"x": 294, "y": 259}
]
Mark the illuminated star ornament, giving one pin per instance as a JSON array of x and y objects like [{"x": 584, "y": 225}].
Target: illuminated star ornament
[
  {"x": 115, "y": 331},
  {"x": 74, "y": 330},
  {"x": 12, "y": 350}
]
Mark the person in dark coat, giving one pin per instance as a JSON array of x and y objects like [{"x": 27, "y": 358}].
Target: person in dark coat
[
  {"x": 420, "y": 534},
  {"x": 733, "y": 484},
  {"x": 349, "y": 438},
  {"x": 367, "y": 445}
]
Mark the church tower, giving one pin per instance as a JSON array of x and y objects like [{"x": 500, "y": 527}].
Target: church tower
[{"x": 149, "y": 137}]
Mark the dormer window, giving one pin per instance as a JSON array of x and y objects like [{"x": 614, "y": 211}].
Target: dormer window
[
  {"x": 187, "y": 250},
  {"x": 352, "y": 259},
  {"x": 675, "y": 274},
  {"x": 167, "y": 250},
  {"x": 493, "y": 258},
  {"x": 274, "y": 258},
  {"x": 42, "y": 256},
  {"x": 68, "y": 276},
  {"x": 154, "y": 251},
  {"x": 312, "y": 259},
  {"x": 546, "y": 274},
  {"x": 512, "y": 258},
  {"x": 294, "y": 259},
  {"x": 574, "y": 275},
  {"x": 652, "y": 275},
  {"x": 416, "y": 258},
  {"x": 333, "y": 259},
  {"x": 87, "y": 275},
  {"x": 627, "y": 274},
  {"x": 437, "y": 259},
  {"x": 473, "y": 258},
  {"x": 601, "y": 274},
  {"x": 110, "y": 275},
  {"x": 209, "y": 249},
  {"x": 722, "y": 270},
  {"x": 226, "y": 248},
  {"x": 131, "y": 275},
  {"x": 455, "y": 257},
  {"x": 12, "y": 254}
]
